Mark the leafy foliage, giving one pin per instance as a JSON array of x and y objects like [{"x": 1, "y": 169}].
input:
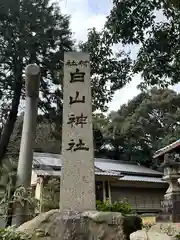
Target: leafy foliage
[
  {"x": 108, "y": 72},
  {"x": 158, "y": 59},
  {"x": 48, "y": 135},
  {"x": 120, "y": 206},
  {"x": 155, "y": 25},
  {"x": 51, "y": 200},
  {"x": 148, "y": 122},
  {"x": 7, "y": 187},
  {"x": 40, "y": 39},
  {"x": 51, "y": 195},
  {"x": 11, "y": 195},
  {"x": 43, "y": 39},
  {"x": 22, "y": 196},
  {"x": 11, "y": 233},
  {"x": 128, "y": 20},
  {"x": 100, "y": 123}
]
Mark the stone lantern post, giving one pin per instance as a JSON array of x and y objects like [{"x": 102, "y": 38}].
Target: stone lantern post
[{"x": 171, "y": 204}]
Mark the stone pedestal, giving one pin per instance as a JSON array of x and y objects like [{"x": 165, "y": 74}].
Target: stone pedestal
[
  {"x": 170, "y": 209},
  {"x": 170, "y": 206}
]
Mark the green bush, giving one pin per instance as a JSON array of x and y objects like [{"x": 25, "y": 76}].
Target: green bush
[
  {"x": 177, "y": 236},
  {"x": 120, "y": 206},
  {"x": 10, "y": 233},
  {"x": 50, "y": 198}
]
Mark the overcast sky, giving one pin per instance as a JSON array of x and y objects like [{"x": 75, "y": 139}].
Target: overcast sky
[{"x": 86, "y": 14}]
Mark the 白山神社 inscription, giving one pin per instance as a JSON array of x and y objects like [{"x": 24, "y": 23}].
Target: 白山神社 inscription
[
  {"x": 77, "y": 76},
  {"x": 77, "y": 120},
  {"x": 76, "y": 99},
  {"x": 77, "y": 190},
  {"x": 77, "y": 146}
]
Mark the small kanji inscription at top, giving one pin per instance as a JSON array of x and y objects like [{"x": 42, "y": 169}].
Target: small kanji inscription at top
[{"x": 80, "y": 63}]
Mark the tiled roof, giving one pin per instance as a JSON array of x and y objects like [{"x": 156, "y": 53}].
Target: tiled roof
[
  {"x": 56, "y": 173},
  {"x": 50, "y": 164},
  {"x": 167, "y": 148},
  {"x": 124, "y": 167},
  {"x": 142, "y": 179},
  {"x": 49, "y": 172},
  {"x": 47, "y": 159}
]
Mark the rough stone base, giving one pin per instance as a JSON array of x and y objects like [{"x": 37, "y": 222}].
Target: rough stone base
[
  {"x": 56, "y": 225},
  {"x": 170, "y": 211},
  {"x": 172, "y": 229},
  {"x": 160, "y": 231},
  {"x": 144, "y": 235},
  {"x": 165, "y": 217}
]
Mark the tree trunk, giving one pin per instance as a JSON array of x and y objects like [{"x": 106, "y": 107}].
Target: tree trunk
[
  {"x": 10, "y": 207},
  {"x": 9, "y": 125},
  {"x": 10, "y": 211}
]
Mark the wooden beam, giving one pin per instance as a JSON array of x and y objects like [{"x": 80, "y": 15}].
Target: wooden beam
[
  {"x": 109, "y": 190},
  {"x": 104, "y": 192},
  {"x": 39, "y": 191}
]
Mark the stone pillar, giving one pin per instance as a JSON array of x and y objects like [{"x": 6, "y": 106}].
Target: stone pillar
[
  {"x": 24, "y": 170},
  {"x": 170, "y": 211},
  {"x": 77, "y": 191}
]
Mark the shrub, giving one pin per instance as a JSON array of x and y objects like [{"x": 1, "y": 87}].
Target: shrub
[
  {"x": 177, "y": 236},
  {"x": 120, "y": 206},
  {"x": 10, "y": 233},
  {"x": 51, "y": 195}
]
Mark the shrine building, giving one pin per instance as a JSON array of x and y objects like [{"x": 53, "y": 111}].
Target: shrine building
[{"x": 116, "y": 180}]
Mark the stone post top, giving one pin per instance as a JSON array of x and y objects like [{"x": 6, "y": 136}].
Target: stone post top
[
  {"x": 32, "y": 81},
  {"x": 32, "y": 69}
]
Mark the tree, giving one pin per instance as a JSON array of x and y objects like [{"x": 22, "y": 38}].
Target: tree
[
  {"x": 109, "y": 72},
  {"x": 31, "y": 32},
  {"x": 135, "y": 22},
  {"x": 49, "y": 135},
  {"x": 7, "y": 189},
  {"x": 148, "y": 122},
  {"x": 42, "y": 39}
]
